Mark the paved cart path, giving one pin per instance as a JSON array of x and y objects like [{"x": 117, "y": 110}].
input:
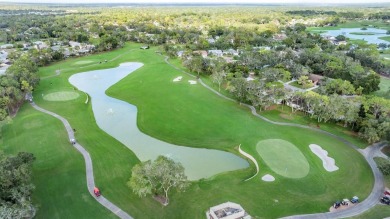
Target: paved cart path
[
  {"x": 369, "y": 153},
  {"x": 88, "y": 166}
]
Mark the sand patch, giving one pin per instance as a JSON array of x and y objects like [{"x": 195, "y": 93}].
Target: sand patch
[
  {"x": 192, "y": 82},
  {"x": 268, "y": 178},
  {"x": 61, "y": 96},
  {"x": 328, "y": 162},
  {"x": 177, "y": 79}
]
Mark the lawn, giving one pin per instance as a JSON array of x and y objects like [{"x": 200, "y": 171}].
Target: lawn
[
  {"x": 193, "y": 116},
  {"x": 387, "y": 38},
  {"x": 58, "y": 172},
  {"x": 384, "y": 88}
]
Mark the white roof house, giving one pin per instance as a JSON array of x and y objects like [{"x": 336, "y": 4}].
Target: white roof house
[
  {"x": 7, "y": 46},
  {"x": 216, "y": 52},
  {"x": 73, "y": 44},
  {"x": 227, "y": 210}
]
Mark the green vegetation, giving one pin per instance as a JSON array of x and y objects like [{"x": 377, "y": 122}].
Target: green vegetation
[
  {"x": 384, "y": 86},
  {"x": 387, "y": 38},
  {"x": 59, "y": 170},
  {"x": 157, "y": 178},
  {"x": 61, "y": 96},
  {"x": 362, "y": 33},
  {"x": 378, "y": 212},
  {"x": 16, "y": 187},
  {"x": 283, "y": 158},
  {"x": 184, "y": 113}
]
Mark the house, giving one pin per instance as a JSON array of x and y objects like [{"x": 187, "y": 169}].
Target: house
[
  {"x": 216, "y": 52},
  {"x": 228, "y": 210},
  {"x": 251, "y": 76},
  {"x": 74, "y": 44},
  {"x": 231, "y": 52},
  {"x": 316, "y": 79},
  {"x": 40, "y": 45},
  {"x": 180, "y": 53},
  {"x": 211, "y": 40},
  {"x": 3, "y": 56},
  {"x": 7, "y": 46},
  {"x": 203, "y": 53}
]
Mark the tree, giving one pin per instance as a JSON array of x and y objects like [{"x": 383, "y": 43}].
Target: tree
[
  {"x": 16, "y": 186},
  {"x": 158, "y": 177}
]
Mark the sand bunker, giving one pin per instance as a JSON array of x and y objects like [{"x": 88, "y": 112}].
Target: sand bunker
[
  {"x": 327, "y": 162},
  {"x": 192, "y": 82},
  {"x": 177, "y": 79},
  {"x": 268, "y": 178}
]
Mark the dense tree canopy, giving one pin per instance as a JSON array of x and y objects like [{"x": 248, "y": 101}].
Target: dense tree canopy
[{"x": 16, "y": 186}]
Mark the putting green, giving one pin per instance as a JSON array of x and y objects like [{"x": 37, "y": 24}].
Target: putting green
[
  {"x": 83, "y": 62},
  {"x": 61, "y": 96},
  {"x": 283, "y": 158}
]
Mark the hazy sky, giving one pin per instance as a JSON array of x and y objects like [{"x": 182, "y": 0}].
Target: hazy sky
[{"x": 202, "y": 1}]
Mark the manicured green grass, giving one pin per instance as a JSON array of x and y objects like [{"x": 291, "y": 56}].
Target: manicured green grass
[
  {"x": 193, "y": 116},
  {"x": 296, "y": 84},
  {"x": 362, "y": 33},
  {"x": 384, "y": 88},
  {"x": 59, "y": 170},
  {"x": 387, "y": 38},
  {"x": 283, "y": 158},
  {"x": 378, "y": 212},
  {"x": 61, "y": 96},
  {"x": 284, "y": 114}
]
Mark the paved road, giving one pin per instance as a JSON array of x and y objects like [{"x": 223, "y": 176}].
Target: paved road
[
  {"x": 88, "y": 164},
  {"x": 369, "y": 153}
]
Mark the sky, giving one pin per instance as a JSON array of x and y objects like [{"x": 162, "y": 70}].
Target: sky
[{"x": 203, "y": 1}]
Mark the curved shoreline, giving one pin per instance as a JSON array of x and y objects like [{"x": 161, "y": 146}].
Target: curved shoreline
[{"x": 250, "y": 157}]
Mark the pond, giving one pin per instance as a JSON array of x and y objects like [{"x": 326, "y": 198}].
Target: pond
[
  {"x": 119, "y": 119},
  {"x": 371, "y": 35}
]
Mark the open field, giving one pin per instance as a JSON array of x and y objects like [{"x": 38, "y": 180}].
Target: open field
[
  {"x": 58, "y": 172},
  {"x": 191, "y": 115},
  {"x": 384, "y": 88}
]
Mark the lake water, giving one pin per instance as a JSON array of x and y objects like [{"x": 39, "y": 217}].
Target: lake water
[
  {"x": 119, "y": 119},
  {"x": 371, "y": 39}
]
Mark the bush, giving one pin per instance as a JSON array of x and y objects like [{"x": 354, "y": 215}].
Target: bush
[{"x": 384, "y": 166}]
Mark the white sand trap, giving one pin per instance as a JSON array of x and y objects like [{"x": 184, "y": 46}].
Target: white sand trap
[
  {"x": 327, "y": 162},
  {"x": 192, "y": 82},
  {"x": 268, "y": 178},
  {"x": 177, "y": 79}
]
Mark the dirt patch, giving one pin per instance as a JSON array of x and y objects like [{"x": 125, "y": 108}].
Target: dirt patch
[
  {"x": 351, "y": 133},
  {"x": 160, "y": 199},
  {"x": 342, "y": 207},
  {"x": 273, "y": 107},
  {"x": 286, "y": 116},
  {"x": 386, "y": 150}
]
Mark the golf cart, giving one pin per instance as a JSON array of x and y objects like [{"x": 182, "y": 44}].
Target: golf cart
[
  {"x": 96, "y": 191},
  {"x": 337, "y": 204},
  {"x": 385, "y": 200},
  {"x": 345, "y": 202},
  {"x": 355, "y": 199},
  {"x": 73, "y": 141}
]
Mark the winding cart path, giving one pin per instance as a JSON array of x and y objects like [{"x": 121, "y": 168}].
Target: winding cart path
[
  {"x": 369, "y": 153},
  {"x": 88, "y": 166}
]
